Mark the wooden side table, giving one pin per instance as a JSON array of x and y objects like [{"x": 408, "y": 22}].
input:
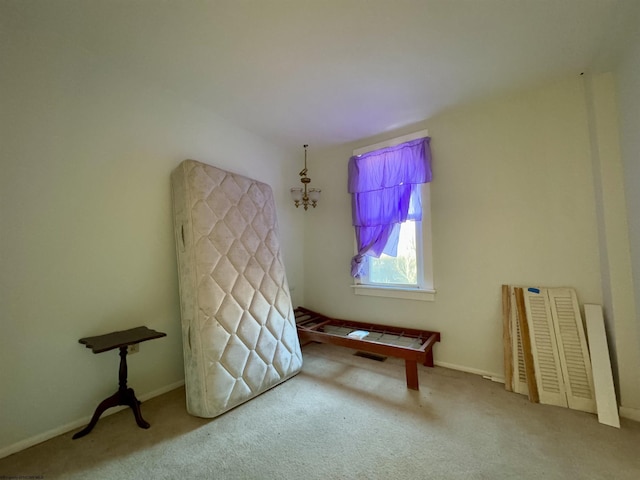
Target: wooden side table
[{"x": 124, "y": 396}]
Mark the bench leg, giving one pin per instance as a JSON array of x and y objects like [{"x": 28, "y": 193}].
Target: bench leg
[
  {"x": 428, "y": 361},
  {"x": 411, "y": 367}
]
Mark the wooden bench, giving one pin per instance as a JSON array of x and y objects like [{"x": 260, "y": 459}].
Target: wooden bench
[{"x": 411, "y": 345}]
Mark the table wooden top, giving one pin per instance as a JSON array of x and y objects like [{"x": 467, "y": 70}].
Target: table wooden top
[{"x": 122, "y": 338}]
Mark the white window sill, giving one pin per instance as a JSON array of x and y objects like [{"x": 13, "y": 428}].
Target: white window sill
[{"x": 395, "y": 292}]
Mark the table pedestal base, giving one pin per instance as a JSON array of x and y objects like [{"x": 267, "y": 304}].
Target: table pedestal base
[{"x": 124, "y": 396}]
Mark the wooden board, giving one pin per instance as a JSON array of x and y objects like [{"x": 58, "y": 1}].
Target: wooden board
[
  {"x": 506, "y": 338},
  {"x": 519, "y": 369},
  {"x": 605, "y": 393}
]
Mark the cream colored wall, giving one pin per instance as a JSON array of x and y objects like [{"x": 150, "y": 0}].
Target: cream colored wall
[
  {"x": 87, "y": 239},
  {"x": 628, "y": 86},
  {"x": 617, "y": 283},
  {"x": 512, "y": 202}
]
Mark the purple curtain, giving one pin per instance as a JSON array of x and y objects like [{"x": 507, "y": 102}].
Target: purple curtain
[{"x": 384, "y": 186}]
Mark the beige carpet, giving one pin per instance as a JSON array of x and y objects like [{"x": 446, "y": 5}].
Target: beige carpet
[{"x": 348, "y": 417}]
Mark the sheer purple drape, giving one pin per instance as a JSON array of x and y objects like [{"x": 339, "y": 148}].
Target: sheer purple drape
[{"x": 384, "y": 186}]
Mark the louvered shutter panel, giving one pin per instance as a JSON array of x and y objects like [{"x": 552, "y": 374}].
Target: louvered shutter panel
[
  {"x": 544, "y": 348},
  {"x": 519, "y": 373},
  {"x": 572, "y": 349}
]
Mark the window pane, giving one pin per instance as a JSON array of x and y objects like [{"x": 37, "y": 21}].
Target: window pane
[{"x": 401, "y": 269}]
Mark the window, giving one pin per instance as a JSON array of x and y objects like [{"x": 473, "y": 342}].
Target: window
[{"x": 408, "y": 274}]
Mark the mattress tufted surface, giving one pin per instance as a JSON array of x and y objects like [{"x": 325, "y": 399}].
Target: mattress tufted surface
[{"x": 238, "y": 325}]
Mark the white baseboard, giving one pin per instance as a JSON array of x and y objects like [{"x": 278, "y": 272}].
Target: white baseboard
[
  {"x": 489, "y": 375},
  {"x": 62, "y": 429},
  {"x": 630, "y": 413},
  {"x": 160, "y": 391},
  {"x": 625, "y": 412}
]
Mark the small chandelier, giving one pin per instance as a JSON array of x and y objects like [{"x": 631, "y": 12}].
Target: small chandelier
[{"x": 302, "y": 195}]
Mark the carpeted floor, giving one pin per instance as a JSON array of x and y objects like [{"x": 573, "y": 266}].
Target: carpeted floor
[{"x": 347, "y": 417}]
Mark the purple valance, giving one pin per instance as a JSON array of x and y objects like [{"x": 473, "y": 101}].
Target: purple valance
[
  {"x": 409, "y": 162},
  {"x": 384, "y": 185}
]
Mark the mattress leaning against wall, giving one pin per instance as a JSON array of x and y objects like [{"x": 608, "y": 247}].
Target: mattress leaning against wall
[{"x": 238, "y": 326}]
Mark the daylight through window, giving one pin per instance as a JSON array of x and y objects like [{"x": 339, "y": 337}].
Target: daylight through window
[{"x": 401, "y": 270}]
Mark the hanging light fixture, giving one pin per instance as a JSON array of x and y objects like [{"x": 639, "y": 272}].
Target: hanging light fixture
[{"x": 302, "y": 196}]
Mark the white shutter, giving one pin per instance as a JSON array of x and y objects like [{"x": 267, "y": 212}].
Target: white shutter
[
  {"x": 544, "y": 347},
  {"x": 519, "y": 372},
  {"x": 572, "y": 347}
]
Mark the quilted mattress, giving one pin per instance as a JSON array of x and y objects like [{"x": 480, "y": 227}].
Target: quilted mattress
[{"x": 238, "y": 326}]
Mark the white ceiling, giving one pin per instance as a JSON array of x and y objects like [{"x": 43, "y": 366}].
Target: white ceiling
[{"x": 326, "y": 72}]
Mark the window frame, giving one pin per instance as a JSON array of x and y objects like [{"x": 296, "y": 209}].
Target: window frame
[{"x": 424, "y": 290}]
